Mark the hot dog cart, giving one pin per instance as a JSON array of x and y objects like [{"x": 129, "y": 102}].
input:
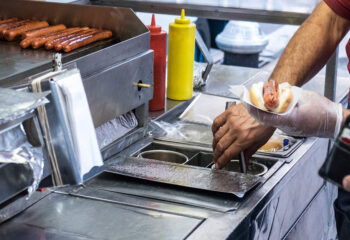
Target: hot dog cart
[{"x": 139, "y": 198}]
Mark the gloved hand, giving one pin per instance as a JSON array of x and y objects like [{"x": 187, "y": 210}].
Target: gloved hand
[{"x": 314, "y": 115}]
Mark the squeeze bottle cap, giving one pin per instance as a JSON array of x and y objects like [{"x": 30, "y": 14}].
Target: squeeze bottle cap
[
  {"x": 182, "y": 20},
  {"x": 285, "y": 142},
  {"x": 153, "y": 27}
]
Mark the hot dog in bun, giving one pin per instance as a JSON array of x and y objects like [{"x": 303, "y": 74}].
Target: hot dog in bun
[{"x": 271, "y": 96}]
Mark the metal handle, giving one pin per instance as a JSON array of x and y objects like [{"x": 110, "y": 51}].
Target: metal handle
[
  {"x": 242, "y": 163},
  {"x": 142, "y": 85},
  {"x": 207, "y": 57}
]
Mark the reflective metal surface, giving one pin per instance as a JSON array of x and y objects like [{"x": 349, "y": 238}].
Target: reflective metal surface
[
  {"x": 126, "y": 200},
  {"x": 253, "y": 168},
  {"x": 207, "y": 57},
  {"x": 254, "y": 10},
  {"x": 325, "y": 227},
  {"x": 112, "y": 91},
  {"x": 272, "y": 209},
  {"x": 114, "y": 204},
  {"x": 186, "y": 176},
  {"x": 17, "y": 104},
  {"x": 14, "y": 178},
  {"x": 164, "y": 155},
  {"x": 331, "y": 76},
  {"x": 17, "y": 63},
  {"x": 110, "y": 69},
  {"x": 222, "y": 76},
  {"x": 60, "y": 216},
  {"x": 10, "y": 209},
  {"x": 131, "y": 186}
]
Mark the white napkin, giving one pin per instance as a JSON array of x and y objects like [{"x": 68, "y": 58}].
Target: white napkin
[
  {"x": 80, "y": 122},
  {"x": 243, "y": 93}
]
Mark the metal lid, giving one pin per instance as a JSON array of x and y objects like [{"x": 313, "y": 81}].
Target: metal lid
[{"x": 242, "y": 37}]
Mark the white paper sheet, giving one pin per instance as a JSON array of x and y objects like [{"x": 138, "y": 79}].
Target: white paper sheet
[
  {"x": 205, "y": 108},
  {"x": 80, "y": 122},
  {"x": 243, "y": 93}
]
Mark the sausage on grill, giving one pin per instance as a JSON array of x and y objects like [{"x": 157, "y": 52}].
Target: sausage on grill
[
  {"x": 15, "y": 33},
  {"x": 40, "y": 41},
  {"x": 51, "y": 44},
  {"x": 8, "y": 26},
  {"x": 87, "y": 40},
  {"x": 59, "y": 46},
  {"x": 8, "y": 20},
  {"x": 43, "y": 30},
  {"x": 29, "y": 40}
]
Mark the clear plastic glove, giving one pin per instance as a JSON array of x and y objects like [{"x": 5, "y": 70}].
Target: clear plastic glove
[{"x": 314, "y": 115}]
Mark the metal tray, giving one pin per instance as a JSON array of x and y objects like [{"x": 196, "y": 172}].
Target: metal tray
[
  {"x": 199, "y": 156},
  {"x": 195, "y": 173},
  {"x": 283, "y": 153},
  {"x": 135, "y": 187},
  {"x": 219, "y": 181}
]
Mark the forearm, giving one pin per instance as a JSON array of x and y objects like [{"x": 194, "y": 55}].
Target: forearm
[
  {"x": 311, "y": 46},
  {"x": 346, "y": 113}
]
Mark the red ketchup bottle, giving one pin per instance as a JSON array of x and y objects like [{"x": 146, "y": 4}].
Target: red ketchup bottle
[{"x": 158, "y": 45}]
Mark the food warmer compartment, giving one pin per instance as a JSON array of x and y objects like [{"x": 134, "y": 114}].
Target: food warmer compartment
[{"x": 111, "y": 69}]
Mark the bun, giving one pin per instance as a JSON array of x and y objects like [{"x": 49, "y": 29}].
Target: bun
[
  {"x": 256, "y": 95},
  {"x": 285, "y": 96}
]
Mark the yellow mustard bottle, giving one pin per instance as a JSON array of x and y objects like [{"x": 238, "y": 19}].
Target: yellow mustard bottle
[{"x": 181, "y": 44}]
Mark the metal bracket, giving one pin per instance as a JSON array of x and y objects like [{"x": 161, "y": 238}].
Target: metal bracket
[
  {"x": 330, "y": 87},
  {"x": 57, "y": 62},
  {"x": 207, "y": 57}
]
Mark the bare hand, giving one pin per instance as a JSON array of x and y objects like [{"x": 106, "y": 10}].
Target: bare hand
[
  {"x": 234, "y": 131},
  {"x": 346, "y": 183}
]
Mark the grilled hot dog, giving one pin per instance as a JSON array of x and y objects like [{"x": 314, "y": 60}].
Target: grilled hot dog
[
  {"x": 59, "y": 46},
  {"x": 270, "y": 94},
  {"x": 8, "y": 20},
  {"x": 40, "y": 41},
  {"x": 15, "y": 33},
  {"x": 51, "y": 44},
  {"x": 87, "y": 40},
  {"x": 29, "y": 40},
  {"x": 43, "y": 30},
  {"x": 8, "y": 26}
]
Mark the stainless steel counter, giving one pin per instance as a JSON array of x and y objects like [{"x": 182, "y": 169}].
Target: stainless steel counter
[{"x": 114, "y": 207}]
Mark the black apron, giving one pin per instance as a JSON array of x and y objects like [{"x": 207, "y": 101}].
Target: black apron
[{"x": 342, "y": 214}]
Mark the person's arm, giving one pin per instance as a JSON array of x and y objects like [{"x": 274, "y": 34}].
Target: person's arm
[
  {"x": 311, "y": 46},
  {"x": 346, "y": 183},
  {"x": 304, "y": 56},
  {"x": 346, "y": 113}
]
